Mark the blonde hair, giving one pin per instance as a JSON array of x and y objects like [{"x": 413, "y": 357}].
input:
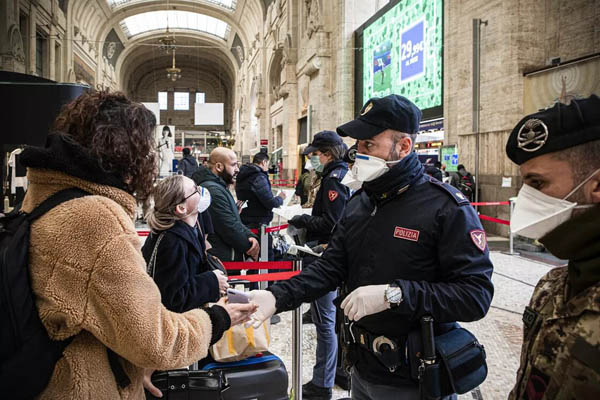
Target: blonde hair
[{"x": 167, "y": 194}]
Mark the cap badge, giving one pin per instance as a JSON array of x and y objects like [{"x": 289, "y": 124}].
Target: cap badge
[
  {"x": 367, "y": 109},
  {"x": 532, "y": 136}
]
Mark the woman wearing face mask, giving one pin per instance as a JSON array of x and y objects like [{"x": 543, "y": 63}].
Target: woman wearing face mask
[{"x": 179, "y": 225}]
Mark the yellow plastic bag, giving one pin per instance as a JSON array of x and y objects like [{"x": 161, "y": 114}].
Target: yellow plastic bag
[{"x": 238, "y": 342}]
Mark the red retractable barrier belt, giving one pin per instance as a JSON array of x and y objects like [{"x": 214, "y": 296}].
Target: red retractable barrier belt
[
  {"x": 277, "y": 228},
  {"x": 275, "y": 276},
  {"x": 238, "y": 265},
  {"x": 491, "y": 203},
  {"x": 272, "y": 228},
  {"x": 143, "y": 233},
  {"x": 496, "y": 220}
]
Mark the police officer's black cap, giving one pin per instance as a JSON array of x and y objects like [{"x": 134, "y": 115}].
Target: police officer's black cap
[
  {"x": 380, "y": 113},
  {"x": 322, "y": 140},
  {"x": 555, "y": 129}
]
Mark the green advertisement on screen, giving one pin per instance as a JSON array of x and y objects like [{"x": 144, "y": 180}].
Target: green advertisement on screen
[{"x": 402, "y": 53}]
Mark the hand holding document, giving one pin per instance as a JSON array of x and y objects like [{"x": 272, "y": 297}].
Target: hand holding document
[
  {"x": 289, "y": 195},
  {"x": 294, "y": 249},
  {"x": 289, "y": 212}
]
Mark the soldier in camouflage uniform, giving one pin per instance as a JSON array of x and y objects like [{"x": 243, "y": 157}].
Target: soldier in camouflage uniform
[{"x": 558, "y": 151}]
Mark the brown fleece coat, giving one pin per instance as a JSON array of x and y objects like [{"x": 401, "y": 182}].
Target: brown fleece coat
[{"x": 90, "y": 282}]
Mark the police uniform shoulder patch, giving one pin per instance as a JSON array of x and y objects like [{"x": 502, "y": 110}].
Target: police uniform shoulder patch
[
  {"x": 333, "y": 195},
  {"x": 338, "y": 174},
  {"x": 479, "y": 239},
  {"x": 451, "y": 190}
]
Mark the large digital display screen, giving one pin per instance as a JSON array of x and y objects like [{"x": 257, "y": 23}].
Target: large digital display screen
[{"x": 400, "y": 51}]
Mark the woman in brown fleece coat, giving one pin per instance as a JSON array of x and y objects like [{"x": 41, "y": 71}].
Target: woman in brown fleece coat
[{"x": 87, "y": 272}]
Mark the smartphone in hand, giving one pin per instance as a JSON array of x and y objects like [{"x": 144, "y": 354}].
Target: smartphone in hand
[{"x": 237, "y": 296}]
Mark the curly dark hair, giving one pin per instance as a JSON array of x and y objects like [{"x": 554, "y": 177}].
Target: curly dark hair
[{"x": 116, "y": 131}]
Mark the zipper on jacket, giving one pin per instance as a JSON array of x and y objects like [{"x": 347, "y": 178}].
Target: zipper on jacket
[{"x": 374, "y": 211}]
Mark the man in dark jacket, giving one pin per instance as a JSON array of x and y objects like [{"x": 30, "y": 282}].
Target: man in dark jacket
[
  {"x": 252, "y": 185},
  {"x": 188, "y": 164},
  {"x": 406, "y": 246},
  {"x": 463, "y": 181},
  {"x": 435, "y": 171},
  {"x": 231, "y": 238}
]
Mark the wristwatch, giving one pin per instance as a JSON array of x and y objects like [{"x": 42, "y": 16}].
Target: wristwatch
[{"x": 393, "y": 295}]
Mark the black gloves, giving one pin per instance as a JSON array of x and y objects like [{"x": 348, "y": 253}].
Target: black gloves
[{"x": 299, "y": 221}]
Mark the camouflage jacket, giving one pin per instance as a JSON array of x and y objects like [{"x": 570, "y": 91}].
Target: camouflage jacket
[
  {"x": 315, "y": 185},
  {"x": 560, "y": 357}
]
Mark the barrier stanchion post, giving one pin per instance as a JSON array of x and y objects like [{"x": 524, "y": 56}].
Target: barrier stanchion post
[
  {"x": 511, "y": 240},
  {"x": 297, "y": 345},
  {"x": 264, "y": 252}
]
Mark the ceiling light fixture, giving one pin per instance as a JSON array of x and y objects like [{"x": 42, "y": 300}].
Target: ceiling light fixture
[{"x": 173, "y": 73}]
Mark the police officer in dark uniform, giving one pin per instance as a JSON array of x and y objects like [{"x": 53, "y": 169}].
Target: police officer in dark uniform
[
  {"x": 407, "y": 246},
  {"x": 326, "y": 156},
  {"x": 326, "y": 153}
]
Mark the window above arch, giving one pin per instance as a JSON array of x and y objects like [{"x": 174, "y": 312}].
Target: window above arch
[
  {"x": 157, "y": 20},
  {"x": 228, "y": 4}
]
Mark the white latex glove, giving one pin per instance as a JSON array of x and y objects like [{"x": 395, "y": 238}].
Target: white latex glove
[
  {"x": 365, "y": 300},
  {"x": 266, "y": 306}
]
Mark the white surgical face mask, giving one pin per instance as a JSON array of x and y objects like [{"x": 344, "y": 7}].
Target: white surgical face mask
[
  {"x": 315, "y": 161},
  {"x": 367, "y": 168},
  {"x": 205, "y": 199},
  {"x": 351, "y": 181},
  {"x": 308, "y": 166},
  {"x": 536, "y": 213}
]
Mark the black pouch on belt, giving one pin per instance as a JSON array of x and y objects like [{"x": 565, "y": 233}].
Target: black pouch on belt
[{"x": 460, "y": 360}]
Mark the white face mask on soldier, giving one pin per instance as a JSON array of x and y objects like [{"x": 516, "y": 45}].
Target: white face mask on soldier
[
  {"x": 367, "y": 168},
  {"x": 536, "y": 213}
]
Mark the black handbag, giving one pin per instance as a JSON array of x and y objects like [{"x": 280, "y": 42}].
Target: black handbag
[
  {"x": 183, "y": 384},
  {"x": 215, "y": 264},
  {"x": 460, "y": 364}
]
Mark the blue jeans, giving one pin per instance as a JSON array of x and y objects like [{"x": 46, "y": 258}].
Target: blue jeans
[
  {"x": 363, "y": 390},
  {"x": 327, "y": 346}
]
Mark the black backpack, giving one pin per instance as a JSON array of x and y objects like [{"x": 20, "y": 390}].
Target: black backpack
[
  {"x": 27, "y": 354},
  {"x": 466, "y": 185}
]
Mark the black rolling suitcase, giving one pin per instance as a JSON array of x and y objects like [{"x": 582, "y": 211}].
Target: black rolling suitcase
[{"x": 260, "y": 377}]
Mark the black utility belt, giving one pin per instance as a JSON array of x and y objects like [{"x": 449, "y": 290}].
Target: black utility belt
[{"x": 391, "y": 352}]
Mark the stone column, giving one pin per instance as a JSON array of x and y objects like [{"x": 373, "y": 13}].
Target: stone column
[
  {"x": 52, "y": 53},
  {"x": 290, "y": 121},
  {"x": 32, "y": 25},
  {"x": 12, "y": 57}
]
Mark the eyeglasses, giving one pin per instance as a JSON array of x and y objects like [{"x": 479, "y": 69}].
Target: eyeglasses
[{"x": 193, "y": 193}]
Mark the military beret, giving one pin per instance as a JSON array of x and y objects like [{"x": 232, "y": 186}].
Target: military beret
[
  {"x": 381, "y": 113},
  {"x": 554, "y": 129}
]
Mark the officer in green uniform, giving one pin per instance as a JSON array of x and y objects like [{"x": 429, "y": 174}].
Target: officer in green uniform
[{"x": 558, "y": 151}]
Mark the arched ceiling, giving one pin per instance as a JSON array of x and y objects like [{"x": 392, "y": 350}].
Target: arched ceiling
[
  {"x": 204, "y": 37},
  {"x": 198, "y": 52}
]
